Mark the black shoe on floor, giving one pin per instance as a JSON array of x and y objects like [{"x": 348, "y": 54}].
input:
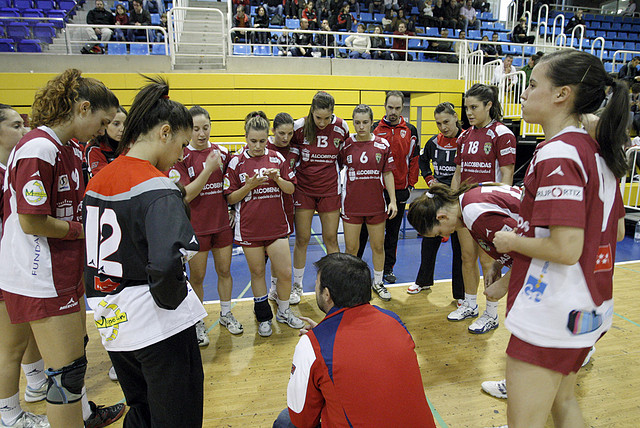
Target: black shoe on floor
[
  {"x": 389, "y": 277},
  {"x": 102, "y": 416}
]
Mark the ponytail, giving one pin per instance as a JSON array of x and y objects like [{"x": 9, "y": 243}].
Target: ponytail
[
  {"x": 256, "y": 120},
  {"x": 152, "y": 107},
  {"x": 611, "y": 132},
  {"x": 486, "y": 94}
]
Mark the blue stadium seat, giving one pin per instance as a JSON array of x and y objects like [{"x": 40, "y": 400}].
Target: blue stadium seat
[
  {"x": 22, "y": 4},
  {"x": 18, "y": 31},
  {"x": 32, "y": 13},
  {"x": 123, "y": 3},
  {"x": 366, "y": 17},
  {"x": 607, "y": 18},
  {"x": 596, "y": 25},
  {"x": 616, "y": 26},
  {"x": 158, "y": 49},
  {"x": 630, "y": 46},
  {"x": 27, "y": 45},
  {"x": 432, "y": 32},
  {"x": 57, "y": 14},
  {"x": 292, "y": 24},
  {"x": 605, "y": 26},
  {"x": 155, "y": 19},
  {"x": 475, "y": 34},
  {"x": 377, "y": 17},
  {"x": 518, "y": 61},
  {"x": 139, "y": 49},
  {"x": 618, "y": 46},
  {"x": 262, "y": 50},
  {"x": 10, "y": 12},
  {"x": 241, "y": 50},
  {"x": 6, "y": 45},
  {"x": 68, "y": 5},
  {"x": 44, "y": 32},
  {"x": 45, "y": 4},
  {"x": 116, "y": 49},
  {"x": 414, "y": 44},
  {"x": 5, "y": 4}
]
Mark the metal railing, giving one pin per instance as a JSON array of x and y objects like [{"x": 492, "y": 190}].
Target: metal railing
[
  {"x": 623, "y": 54},
  {"x": 176, "y": 19},
  {"x": 75, "y": 35},
  {"x": 630, "y": 188}
]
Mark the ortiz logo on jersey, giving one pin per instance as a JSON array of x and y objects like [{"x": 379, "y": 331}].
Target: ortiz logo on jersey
[{"x": 109, "y": 326}]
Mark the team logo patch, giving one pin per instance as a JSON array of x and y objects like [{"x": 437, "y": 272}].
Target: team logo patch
[
  {"x": 378, "y": 157},
  {"x": 225, "y": 183},
  {"x": 336, "y": 142},
  {"x": 571, "y": 193},
  {"x": 484, "y": 245},
  {"x": 292, "y": 163},
  {"x": 306, "y": 155},
  {"x": 349, "y": 158},
  {"x": 106, "y": 286},
  {"x": 604, "y": 260},
  {"x": 243, "y": 177},
  {"x": 487, "y": 148},
  {"x": 109, "y": 326},
  {"x": 274, "y": 159},
  {"x": 403, "y": 133},
  {"x": 174, "y": 175},
  {"x": 352, "y": 174},
  {"x": 534, "y": 288},
  {"x": 34, "y": 193},
  {"x": 192, "y": 172},
  {"x": 63, "y": 183}
]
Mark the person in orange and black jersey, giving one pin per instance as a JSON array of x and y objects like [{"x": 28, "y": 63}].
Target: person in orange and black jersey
[
  {"x": 405, "y": 148},
  {"x": 103, "y": 150},
  {"x": 440, "y": 151}
]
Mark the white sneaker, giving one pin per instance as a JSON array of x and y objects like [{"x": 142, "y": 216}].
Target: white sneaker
[
  {"x": 237, "y": 251},
  {"x": 29, "y": 420},
  {"x": 415, "y": 288},
  {"x": 484, "y": 324},
  {"x": 463, "y": 312},
  {"x": 264, "y": 328},
  {"x": 112, "y": 374},
  {"x": 495, "y": 388},
  {"x": 33, "y": 395},
  {"x": 232, "y": 324},
  {"x": 296, "y": 294},
  {"x": 382, "y": 291},
  {"x": 273, "y": 295},
  {"x": 201, "y": 333},
  {"x": 588, "y": 358},
  {"x": 289, "y": 318}
]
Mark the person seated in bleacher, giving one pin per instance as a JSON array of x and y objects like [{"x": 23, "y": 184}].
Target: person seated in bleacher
[
  {"x": 491, "y": 52},
  {"x": 409, "y": 21},
  {"x": 274, "y": 7},
  {"x": 635, "y": 108},
  {"x": 354, "y": 7},
  {"x": 459, "y": 47},
  {"x": 261, "y": 20},
  {"x": 121, "y": 19},
  {"x": 240, "y": 20},
  {"x": 468, "y": 16},
  {"x": 391, "y": 4},
  {"x": 324, "y": 42},
  {"x": 379, "y": 45},
  {"x": 138, "y": 16},
  {"x": 454, "y": 12},
  {"x": 519, "y": 33},
  {"x": 500, "y": 72},
  {"x": 359, "y": 43},
  {"x": 309, "y": 13},
  {"x": 303, "y": 42},
  {"x": 575, "y": 20},
  {"x": 398, "y": 49},
  {"x": 482, "y": 6},
  {"x": 153, "y": 6},
  {"x": 100, "y": 16},
  {"x": 450, "y": 15},
  {"x": 323, "y": 9},
  {"x": 284, "y": 41},
  {"x": 375, "y": 6},
  {"x": 236, "y": 3},
  {"x": 426, "y": 18},
  {"x": 631, "y": 8},
  {"x": 344, "y": 20},
  {"x": 629, "y": 71},
  {"x": 164, "y": 24},
  {"x": 444, "y": 47},
  {"x": 291, "y": 9}
]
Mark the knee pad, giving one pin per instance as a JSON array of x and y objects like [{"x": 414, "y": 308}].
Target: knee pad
[
  {"x": 262, "y": 310},
  {"x": 65, "y": 384}
]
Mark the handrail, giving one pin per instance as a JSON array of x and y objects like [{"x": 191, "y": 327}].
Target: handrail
[
  {"x": 634, "y": 182},
  {"x": 553, "y": 29},
  {"x": 623, "y": 53},
  {"x": 582, "y": 29},
  {"x": 593, "y": 45},
  {"x": 175, "y": 23}
]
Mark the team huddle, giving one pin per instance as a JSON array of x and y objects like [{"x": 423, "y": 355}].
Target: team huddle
[{"x": 155, "y": 194}]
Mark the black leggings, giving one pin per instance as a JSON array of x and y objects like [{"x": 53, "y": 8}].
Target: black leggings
[{"x": 428, "y": 264}]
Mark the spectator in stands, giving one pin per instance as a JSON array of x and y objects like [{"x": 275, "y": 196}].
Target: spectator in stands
[
  {"x": 635, "y": 107},
  {"x": 291, "y": 9},
  {"x": 575, "y": 20},
  {"x": 375, "y": 6},
  {"x": 240, "y": 20},
  {"x": 459, "y": 46},
  {"x": 529, "y": 67},
  {"x": 323, "y": 9},
  {"x": 325, "y": 42},
  {"x": 138, "y": 16},
  {"x": 482, "y": 6},
  {"x": 631, "y": 9},
  {"x": 387, "y": 20},
  {"x": 468, "y": 16},
  {"x": 391, "y": 4},
  {"x": 164, "y": 24},
  {"x": 153, "y": 6},
  {"x": 284, "y": 42},
  {"x": 629, "y": 71},
  {"x": 121, "y": 18},
  {"x": 452, "y": 14},
  {"x": 398, "y": 50},
  {"x": 261, "y": 20},
  {"x": 359, "y": 43},
  {"x": 303, "y": 42},
  {"x": 398, "y": 17},
  {"x": 309, "y": 13},
  {"x": 499, "y": 73},
  {"x": 344, "y": 19},
  {"x": 519, "y": 34},
  {"x": 426, "y": 18},
  {"x": 490, "y": 51},
  {"x": 274, "y": 7},
  {"x": 244, "y": 3},
  {"x": 100, "y": 16},
  {"x": 378, "y": 42},
  {"x": 444, "y": 48},
  {"x": 354, "y": 7}
]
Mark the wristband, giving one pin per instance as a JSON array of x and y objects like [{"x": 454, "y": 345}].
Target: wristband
[{"x": 75, "y": 230}]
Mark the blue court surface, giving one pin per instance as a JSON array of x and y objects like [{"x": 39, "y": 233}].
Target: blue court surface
[{"x": 406, "y": 268}]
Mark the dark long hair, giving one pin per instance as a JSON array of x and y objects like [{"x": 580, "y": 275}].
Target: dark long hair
[
  {"x": 150, "y": 108},
  {"x": 321, "y": 101},
  {"x": 486, "y": 93},
  {"x": 586, "y": 74}
]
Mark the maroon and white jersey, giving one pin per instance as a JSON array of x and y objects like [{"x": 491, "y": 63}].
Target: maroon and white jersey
[
  {"x": 284, "y": 151},
  {"x": 488, "y": 209},
  {"x": 365, "y": 162},
  {"x": 316, "y": 162},
  {"x": 44, "y": 176},
  {"x": 209, "y": 213},
  {"x": 567, "y": 184},
  {"x": 482, "y": 151},
  {"x": 3, "y": 169},
  {"x": 261, "y": 215}
]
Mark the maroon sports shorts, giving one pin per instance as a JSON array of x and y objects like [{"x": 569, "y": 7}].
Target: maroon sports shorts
[
  {"x": 24, "y": 308},
  {"x": 215, "y": 240},
  {"x": 563, "y": 360},
  {"x": 322, "y": 204}
]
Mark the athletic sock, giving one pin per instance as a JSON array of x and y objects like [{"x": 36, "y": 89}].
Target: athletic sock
[
  {"x": 10, "y": 409},
  {"x": 492, "y": 308},
  {"x": 225, "y": 307},
  {"x": 298, "y": 274},
  {"x": 283, "y": 305},
  {"x": 471, "y": 299},
  {"x": 86, "y": 408},
  {"x": 35, "y": 374},
  {"x": 377, "y": 276},
  {"x": 274, "y": 282}
]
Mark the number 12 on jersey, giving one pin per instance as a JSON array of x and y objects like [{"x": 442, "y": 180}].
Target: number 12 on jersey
[{"x": 98, "y": 247}]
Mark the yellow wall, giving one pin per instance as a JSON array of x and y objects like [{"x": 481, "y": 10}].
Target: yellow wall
[{"x": 229, "y": 97}]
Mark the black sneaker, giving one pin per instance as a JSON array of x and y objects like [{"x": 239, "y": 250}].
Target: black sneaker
[
  {"x": 389, "y": 277},
  {"x": 102, "y": 416}
]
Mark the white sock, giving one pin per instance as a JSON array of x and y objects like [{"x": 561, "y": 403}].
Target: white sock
[
  {"x": 35, "y": 374},
  {"x": 10, "y": 409},
  {"x": 86, "y": 408},
  {"x": 377, "y": 276},
  {"x": 274, "y": 282},
  {"x": 225, "y": 307},
  {"x": 471, "y": 299},
  {"x": 283, "y": 305},
  {"x": 492, "y": 308},
  {"x": 298, "y": 274}
]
